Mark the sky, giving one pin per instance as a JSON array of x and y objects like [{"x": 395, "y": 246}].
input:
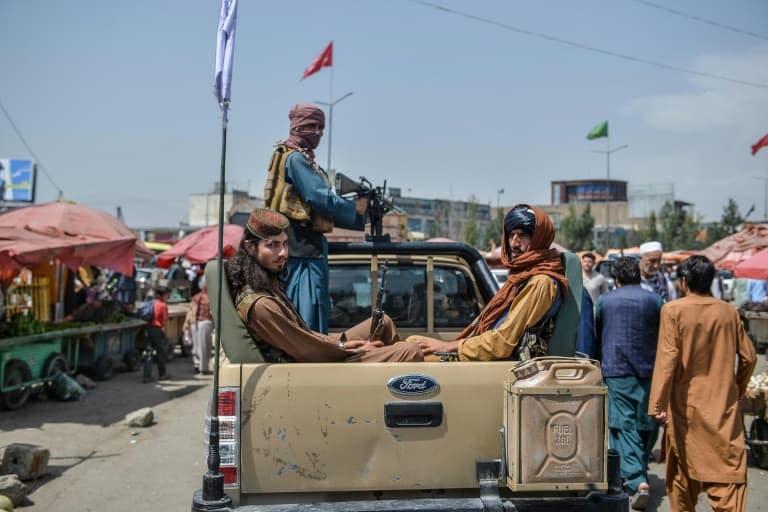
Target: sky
[{"x": 116, "y": 101}]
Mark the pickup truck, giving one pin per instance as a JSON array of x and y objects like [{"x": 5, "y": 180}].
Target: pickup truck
[{"x": 440, "y": 435}]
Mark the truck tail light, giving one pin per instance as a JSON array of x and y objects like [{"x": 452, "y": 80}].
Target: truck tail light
[{"x": 229, "y": 435}]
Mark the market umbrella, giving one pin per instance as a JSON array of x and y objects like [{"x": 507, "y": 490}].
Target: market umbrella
[
  {"x": 202, "y": 245},
  {"x": 755, "y": 267},
  {"x": 738, "y": 247},
  {"x": 75, "y": 234}
]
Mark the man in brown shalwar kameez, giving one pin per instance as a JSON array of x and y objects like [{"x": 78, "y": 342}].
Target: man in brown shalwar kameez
[
  {"x": 274, "y": 324},
  {"x": 695, "y": 393}
]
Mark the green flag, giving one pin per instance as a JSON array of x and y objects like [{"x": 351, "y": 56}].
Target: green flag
[{"x": 601, "y": 130}]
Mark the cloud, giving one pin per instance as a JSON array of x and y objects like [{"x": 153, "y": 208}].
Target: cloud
[{"x": 711, "y": 104}]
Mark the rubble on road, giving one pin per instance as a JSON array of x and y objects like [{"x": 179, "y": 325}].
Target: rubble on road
[
  {"x": 27, "y": 461},
  {"x": 141, "y": 418}
]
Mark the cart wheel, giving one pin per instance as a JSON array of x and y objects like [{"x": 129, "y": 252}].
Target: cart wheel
[
  {"x": 132, "y": 360},
  {"x": 104, "y": 368},
  {"x": 758, "y": 431},
  {"x": 16, "y": 372},
  {"x": 54, "y": 365}
]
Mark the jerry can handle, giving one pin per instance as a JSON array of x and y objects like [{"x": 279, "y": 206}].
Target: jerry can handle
[{"x": 572, "y": 369}]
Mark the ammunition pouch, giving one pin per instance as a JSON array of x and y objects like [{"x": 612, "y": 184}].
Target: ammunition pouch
[{"x": 280, "y": 195}]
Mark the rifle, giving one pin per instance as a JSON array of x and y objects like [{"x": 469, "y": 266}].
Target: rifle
[
  {"x": 377, "y": 317},
  {"x": 378, "y": 202}
]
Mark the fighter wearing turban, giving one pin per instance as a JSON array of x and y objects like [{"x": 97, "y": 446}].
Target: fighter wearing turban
[
  {"x": 276, "y": 328},
  {"x": 513, "y": 324},
  {"x": 300, "y": 189}
]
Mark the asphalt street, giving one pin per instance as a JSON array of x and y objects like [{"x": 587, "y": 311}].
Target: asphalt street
[{"x": 99, "y": 464}]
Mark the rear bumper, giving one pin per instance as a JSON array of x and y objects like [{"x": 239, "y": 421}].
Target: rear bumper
[{"x": 592, "y": 502}]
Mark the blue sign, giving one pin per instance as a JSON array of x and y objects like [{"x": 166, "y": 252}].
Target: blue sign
[
  {"x": 17, "y": 180},
  {"x": 414, "y": 384}
]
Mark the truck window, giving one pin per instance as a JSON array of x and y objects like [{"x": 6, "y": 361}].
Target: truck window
[{"x": 455, "y": 301}]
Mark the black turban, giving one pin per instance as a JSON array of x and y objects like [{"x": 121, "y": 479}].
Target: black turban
[{"x": 520, "y": 217}]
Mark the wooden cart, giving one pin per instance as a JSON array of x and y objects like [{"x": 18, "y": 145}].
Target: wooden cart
[{"x": 757, "y": 434}]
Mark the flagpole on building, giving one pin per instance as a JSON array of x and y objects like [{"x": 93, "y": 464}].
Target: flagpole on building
[{"x": 600, "y": 131}]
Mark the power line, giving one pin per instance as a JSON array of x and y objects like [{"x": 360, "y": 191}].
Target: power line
[
  {"x": 31, "y": 152},
  {"x": 587, "y": 47},
  {"x": 700, "y": 19}
]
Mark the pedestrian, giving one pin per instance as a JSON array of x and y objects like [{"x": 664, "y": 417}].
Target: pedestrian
[
  {"x": 300, "y": 189},
  {"x": 594, "y": 282},
  {"x": 627, "y": 325},
  {"x": 695, "y": 392},
  {"x": 200, "y": 324},
  {"x": 653, "y": 279},
  {"x": 157, "y": 346}
]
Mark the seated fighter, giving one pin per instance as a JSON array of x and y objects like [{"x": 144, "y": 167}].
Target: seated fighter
[
  {"x": 272, "y": 321},
  {"x": 515, "y": 324}
]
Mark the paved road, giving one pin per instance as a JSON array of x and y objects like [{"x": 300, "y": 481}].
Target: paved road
[{"x": 97, "y": 464}]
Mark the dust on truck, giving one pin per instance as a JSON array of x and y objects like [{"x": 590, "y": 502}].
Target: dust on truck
[{"x": 449, "y": 435}]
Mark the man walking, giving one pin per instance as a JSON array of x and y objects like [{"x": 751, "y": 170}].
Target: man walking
[
  {"x": 627, "y": 321},
  {"x": 157, "y": 346},
  {"x": 594, "y": 282},
  {"x": 696, "y": 392},
  {"x": 653, "y": 279}
]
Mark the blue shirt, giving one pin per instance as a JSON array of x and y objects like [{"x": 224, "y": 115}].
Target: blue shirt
[
  {"x": 627, "y": 327},
  {"x": 757, "y": 290}
]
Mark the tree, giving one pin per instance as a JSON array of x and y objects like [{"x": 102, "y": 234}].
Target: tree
[
  {"x": 650, "y": 232},
  {"x": 729, "y": 223},
  {"x": 471, "y": 231},
  {"x": 495, "y": 227},
  {"x": 679, "y": 228},
  {"x": 575, "y": 231}
]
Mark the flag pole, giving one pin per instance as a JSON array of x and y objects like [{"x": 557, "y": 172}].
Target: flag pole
[
  {"x": 212, "y": 497},
  {"x": 330, "y": 122}
]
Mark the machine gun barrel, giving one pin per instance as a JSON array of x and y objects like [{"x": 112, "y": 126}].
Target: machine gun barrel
[{"x": 378, "y": 202}]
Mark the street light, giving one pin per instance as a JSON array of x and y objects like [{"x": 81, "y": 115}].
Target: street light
[
  {"x": 765, "y": 197},
  {"x": 330, "y": 122},
  {"x": 607, "y": 153}
]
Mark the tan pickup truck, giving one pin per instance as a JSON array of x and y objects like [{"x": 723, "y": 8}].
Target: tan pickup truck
[{"x": 449, "y": 435}]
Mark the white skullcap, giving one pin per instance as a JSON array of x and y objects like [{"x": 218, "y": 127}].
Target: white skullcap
[{"x": 650, "y": 247}]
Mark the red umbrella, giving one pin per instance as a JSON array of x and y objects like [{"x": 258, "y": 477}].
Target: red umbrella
[
  {"x": 202, "y": 245},
  {"x": 75, "y": 234},
  {"x": 755, "y": 267}
]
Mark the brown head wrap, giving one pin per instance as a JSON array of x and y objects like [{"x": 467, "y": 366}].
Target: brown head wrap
[
  {"x": 263, "y": 223},
  {"x": 538, "y": 259},
  {"x": 302, "y": 115}
]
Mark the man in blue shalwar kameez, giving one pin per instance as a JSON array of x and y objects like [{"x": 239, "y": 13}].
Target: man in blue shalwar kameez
[
  {"x": 300, "y": 188},
  {"x": 627, "y": 327}
]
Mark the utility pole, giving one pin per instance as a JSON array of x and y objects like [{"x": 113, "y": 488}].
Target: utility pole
[
  {"x": 330, "y": 121},
  {"x": 607, "y": 152}
]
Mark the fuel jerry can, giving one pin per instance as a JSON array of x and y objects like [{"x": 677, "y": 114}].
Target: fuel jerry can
[{"x": 555, "y": 420}]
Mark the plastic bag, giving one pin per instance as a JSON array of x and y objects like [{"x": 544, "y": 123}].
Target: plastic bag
[{"x": 67, "y": 388}]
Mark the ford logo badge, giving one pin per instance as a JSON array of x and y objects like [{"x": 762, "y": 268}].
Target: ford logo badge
[{"x": 410, "y": 385}]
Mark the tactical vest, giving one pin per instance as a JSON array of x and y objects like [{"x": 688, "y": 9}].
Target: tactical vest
[
  {"x": 280, "y": 195},
  {"x": 243, "y": 302}
]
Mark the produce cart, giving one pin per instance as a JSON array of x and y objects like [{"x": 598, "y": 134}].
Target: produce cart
[
  {"x": 754, "y": 404},
  {"x": 30, "y": 361},
  {"x": 108, "y": 345}
]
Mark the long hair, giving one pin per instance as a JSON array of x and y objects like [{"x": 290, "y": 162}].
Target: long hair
[{"x": 244, "y": 270}]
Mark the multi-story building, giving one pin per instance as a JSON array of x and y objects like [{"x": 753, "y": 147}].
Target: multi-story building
[{"x": 441, "y": 217}]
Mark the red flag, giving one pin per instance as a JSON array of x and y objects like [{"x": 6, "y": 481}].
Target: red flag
[
  {"x": 324, "y": 59},
  {"x": 760, "y": 144}
]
